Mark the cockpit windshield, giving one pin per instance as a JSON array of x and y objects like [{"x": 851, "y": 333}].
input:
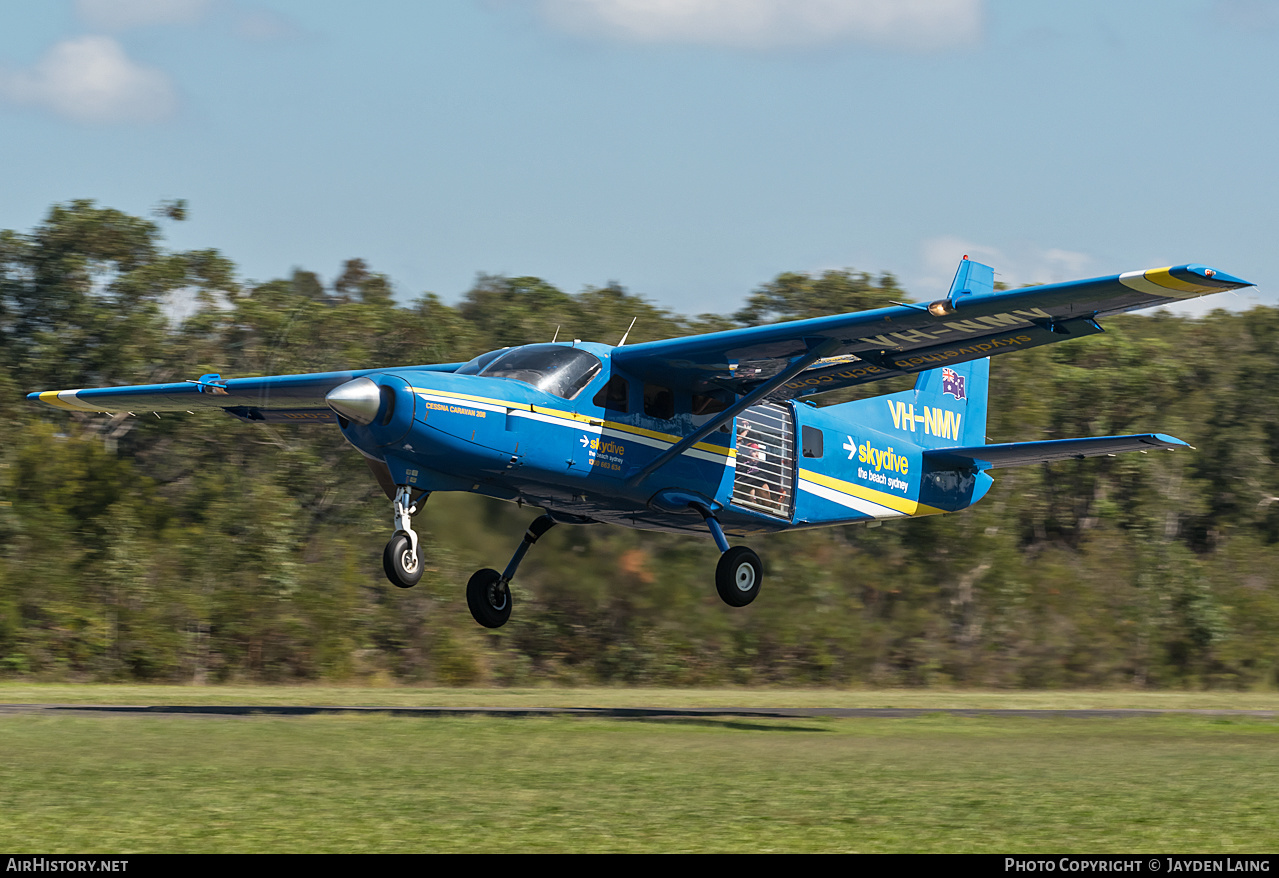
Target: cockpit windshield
[{"x": 552, "y": 368}]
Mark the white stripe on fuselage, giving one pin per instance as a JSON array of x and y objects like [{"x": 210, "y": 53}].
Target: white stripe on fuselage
[{"x": 864, "y": 506}]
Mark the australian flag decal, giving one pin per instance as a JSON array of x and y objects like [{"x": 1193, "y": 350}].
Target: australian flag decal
[{"x": 953, "y": 383}]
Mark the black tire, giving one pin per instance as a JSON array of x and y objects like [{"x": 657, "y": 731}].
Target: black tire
[
  {"x": 403, "y": 572},
  {"x": 738, "y": 576},
  {"x": 489, "y": 598}
]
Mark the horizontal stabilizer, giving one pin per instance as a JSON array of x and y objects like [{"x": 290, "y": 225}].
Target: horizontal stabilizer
[{"x": 1024, "y": 453}]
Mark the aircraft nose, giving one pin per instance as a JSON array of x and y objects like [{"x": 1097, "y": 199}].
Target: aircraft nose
[{"x": 358, "y": 400}]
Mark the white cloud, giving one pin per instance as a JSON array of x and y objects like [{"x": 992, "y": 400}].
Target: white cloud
[
  {"x": 1023, "y": 264},
  {"x": 116, "y": 15},
  {"x": 910, "y": 24},
  {"x": 90, "y": 79}
]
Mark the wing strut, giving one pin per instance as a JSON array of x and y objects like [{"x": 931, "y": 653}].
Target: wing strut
[{"x": 823, "y": 348}]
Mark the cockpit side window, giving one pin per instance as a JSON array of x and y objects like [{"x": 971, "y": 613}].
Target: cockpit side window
[
  {"x": 659, "y": 402},
  {"x": 551, "y": 368},
  {"x": 615, "y": 395}
]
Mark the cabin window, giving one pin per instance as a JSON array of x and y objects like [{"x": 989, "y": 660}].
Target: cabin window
[
  {"x": 557, "y": 369},
  {"x": 615, "y": 395},
  {"x": 812, "y": 439},
  {"x": 659, "y": 402}
]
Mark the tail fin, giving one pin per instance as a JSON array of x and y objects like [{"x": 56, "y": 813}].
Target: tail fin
[{"x": 947, "y": 408}]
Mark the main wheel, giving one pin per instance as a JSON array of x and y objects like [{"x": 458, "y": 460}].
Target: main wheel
[
  {"x": 402, "y": 567},
  {"x": 738, "y": 576},
  {"x": 489, "y": 598}
]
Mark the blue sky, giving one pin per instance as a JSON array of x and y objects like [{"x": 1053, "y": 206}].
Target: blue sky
[{"x": 689, "y": 149}]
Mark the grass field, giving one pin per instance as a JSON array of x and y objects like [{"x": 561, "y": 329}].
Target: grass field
[
  {"x": 120, "y": 784},
  {"x": 351, "y": 696}
]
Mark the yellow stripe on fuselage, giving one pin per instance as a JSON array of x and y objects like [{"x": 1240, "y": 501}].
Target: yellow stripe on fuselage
[
  {"x": 668, "y": 437},
  {"x": 572, "y": 416},
  {"x": 576, "y": 417},
  {"x": 431, "y": 391},
  {"x": 903, "y": 505}
]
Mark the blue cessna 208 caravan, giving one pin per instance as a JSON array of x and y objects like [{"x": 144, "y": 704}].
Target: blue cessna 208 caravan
[{"x": 710, "y": 433}]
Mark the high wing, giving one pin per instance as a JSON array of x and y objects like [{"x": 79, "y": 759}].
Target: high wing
[
  {"x": 274, "y": 397},
  {"x": 1023, "y": 453},
  {"x": 798, "y": 358},
  {"x": 972, "y": 322}
]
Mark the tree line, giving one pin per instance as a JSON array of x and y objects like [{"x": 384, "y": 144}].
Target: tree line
[{"x": 200, "y": 548}]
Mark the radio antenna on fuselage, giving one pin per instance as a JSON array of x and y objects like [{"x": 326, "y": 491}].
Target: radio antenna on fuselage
[
  {"x": 557, "y": 335},
  {"x": 628, "y": 331}
]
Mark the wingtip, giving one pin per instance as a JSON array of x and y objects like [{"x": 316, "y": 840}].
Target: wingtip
[{"x": 1216, "y": 276}]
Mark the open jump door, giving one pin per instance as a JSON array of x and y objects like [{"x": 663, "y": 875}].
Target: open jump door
[{"x": 765, "y": 473}]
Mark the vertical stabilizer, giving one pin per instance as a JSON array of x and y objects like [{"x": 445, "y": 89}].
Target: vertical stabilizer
[{"x": 947, "y": 407}]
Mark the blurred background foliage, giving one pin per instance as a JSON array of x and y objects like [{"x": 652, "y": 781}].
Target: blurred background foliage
[{"x": 199, "y": 548}]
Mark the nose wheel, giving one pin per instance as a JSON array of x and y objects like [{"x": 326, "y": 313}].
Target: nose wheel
[
  {"x": 403, "y": 566},
  {"x": 402, "y": 557}
]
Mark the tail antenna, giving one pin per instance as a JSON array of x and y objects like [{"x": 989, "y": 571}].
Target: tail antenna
[{"x": 628, "y": 331}]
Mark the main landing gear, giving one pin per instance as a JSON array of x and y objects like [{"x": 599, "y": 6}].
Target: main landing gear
[
  {"x": 739, "y": 573},
  {"x": 488, "y": 594},
  {"x": 738, "y": 576},
  {"x": 402, "y": 557}
]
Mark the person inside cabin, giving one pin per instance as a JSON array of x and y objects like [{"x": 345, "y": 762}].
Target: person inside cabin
[{"x": 751, "y": 457}]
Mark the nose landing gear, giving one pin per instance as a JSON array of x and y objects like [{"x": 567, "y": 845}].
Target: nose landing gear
[{"x": 402, "y": 557}]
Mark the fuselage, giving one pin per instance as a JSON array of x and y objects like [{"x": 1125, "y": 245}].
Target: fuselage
[{"x": 572, "y": 436}]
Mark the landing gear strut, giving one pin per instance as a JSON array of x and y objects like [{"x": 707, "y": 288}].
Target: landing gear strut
[
  {"x": 739, "y": 573},
  {"x": 402, "y": 557},
  {"x": 488, "y": 594}
]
